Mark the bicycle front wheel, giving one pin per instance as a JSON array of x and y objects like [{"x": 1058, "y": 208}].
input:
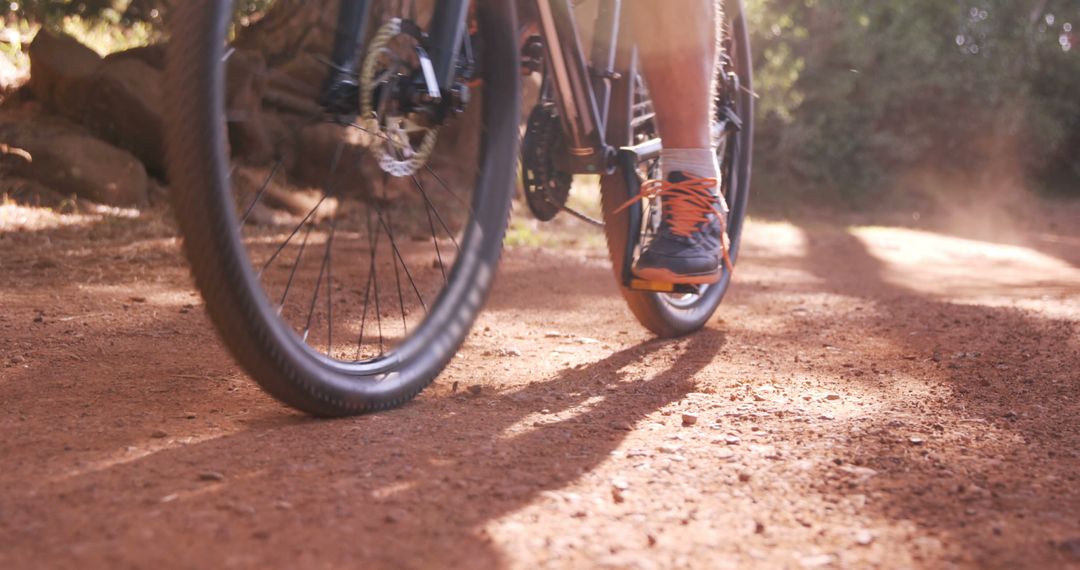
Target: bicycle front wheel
[{"x": 343, "y": 253}]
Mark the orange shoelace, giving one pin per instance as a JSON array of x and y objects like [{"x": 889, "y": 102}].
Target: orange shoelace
[{"x": 686, "y": 205}]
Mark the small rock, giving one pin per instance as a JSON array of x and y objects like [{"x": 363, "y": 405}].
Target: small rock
[
  {"x": 618, "y": 495},
  {"x": 668, "y": 448},
  {"x": 759, "y": 528},
  {"x": 832, "y": 397},
  {"x": 283, "y": 505},
  {"x": 137, "y": 299},
  {"x": 863, "y": 537},
  {"x": 395, "y": 516},
  {"x": 689, "y": 419},
  {"x": 40, "y": 317},
  {"x": 620, "y": 484},
  {"x": 190, "y": 415},
  {"x": 1011, "y": 415},
  {"x": 915, "y": 440},
  {"x": 732, "y": 439},
  {"x": 159, "y": 433},
  {"x": 744, "y": 476},
  {"x": 586, "y": 340},
  {"x": 553, "y": 334},
  {"x": 859, "y": 472},
  {"x": 17, "y": 359},
  {"x": 211, "y": 476},
  {"x": 475, "y": 389},
  {"x": 1071, "y": 548},
  {"x": 816, "y": 561},
  {"x": 724, "y": 453}
]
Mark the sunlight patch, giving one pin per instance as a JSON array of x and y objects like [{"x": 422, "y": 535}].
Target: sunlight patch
[{"x": 970, "y": 271}]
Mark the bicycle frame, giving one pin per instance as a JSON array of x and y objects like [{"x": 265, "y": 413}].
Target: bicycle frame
[
  {"x": 583, "y": 89},
  {"x": 593, "y": 114}
]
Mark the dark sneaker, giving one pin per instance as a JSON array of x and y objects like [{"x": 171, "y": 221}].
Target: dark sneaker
[{"x": 690, "y": 246}]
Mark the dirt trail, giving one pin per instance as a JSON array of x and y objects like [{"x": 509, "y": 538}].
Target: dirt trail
[{"x": 867, "y": 397}]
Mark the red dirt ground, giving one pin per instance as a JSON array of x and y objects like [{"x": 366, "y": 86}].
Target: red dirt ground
[{"x": 866, "y": 397}]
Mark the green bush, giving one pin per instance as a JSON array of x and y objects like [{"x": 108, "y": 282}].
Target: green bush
[{"x": 856, "y": 95}]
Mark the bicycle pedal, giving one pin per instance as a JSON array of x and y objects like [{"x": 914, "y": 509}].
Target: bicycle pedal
[{"x": 661, "y": 287}]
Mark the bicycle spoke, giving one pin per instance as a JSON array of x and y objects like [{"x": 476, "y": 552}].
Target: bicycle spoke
[
  {"x": 397, "y": 275},
  {"x": 374, "y": 242},
  {"x": 258, "y": 195},
  {"x": 435, "y": 241},
  {"x": 333, "y": 169},
  {"x": 448, "y": 190},
  {"x": 397, "y": 253},
  {"x": 292, "y": 272},
  {"x": 429, "y": 207}
]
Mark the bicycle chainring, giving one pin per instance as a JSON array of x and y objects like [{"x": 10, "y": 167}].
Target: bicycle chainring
[{"x": 546, "y": 187}]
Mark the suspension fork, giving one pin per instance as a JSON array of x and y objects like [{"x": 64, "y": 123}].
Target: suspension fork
[{"x": 449, "y": 27}]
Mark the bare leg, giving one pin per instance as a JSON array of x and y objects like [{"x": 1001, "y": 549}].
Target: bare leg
[
  {"x": 677, "y": 40},
  {"x": 677, "y": 44}
]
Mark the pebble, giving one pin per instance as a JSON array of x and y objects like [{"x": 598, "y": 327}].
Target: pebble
[
  {"x": 725, "y": 453},
  {"x": 1071, "y": 548},
  {"x": 860, "y": 472},
  {"x": 190, "y": 415},
  {"x": 816, "y": 561},
  {"x": 832, "y": 397},
  {"x": 732, "y": 439},
  {"x": 916, "y": 440},
  {"x": 669, "y": 448},
  {"x": 159, "y": 433},
  {"x": 689, "y": 419},
  {"x": 863, "y": 537},
  {"x": 211, "y": 476},
  {"x": 475, "y": 389}
]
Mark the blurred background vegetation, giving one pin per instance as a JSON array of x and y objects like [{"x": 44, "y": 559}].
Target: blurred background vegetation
[
  {"x": 868, "y": 100},
  {"x": 862, "y": 102}
]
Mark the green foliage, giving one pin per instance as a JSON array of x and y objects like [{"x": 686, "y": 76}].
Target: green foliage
[{"x": 857, "y": 95}]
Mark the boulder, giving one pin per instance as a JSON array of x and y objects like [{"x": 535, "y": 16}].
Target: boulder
[
  {"x": 123, "y": 105},
  {"x": 86, "y": 167},
  {"x": 56, "y": 63},
  {"x": 245, "y": 81},
  {"x": 152, "y": 55}
]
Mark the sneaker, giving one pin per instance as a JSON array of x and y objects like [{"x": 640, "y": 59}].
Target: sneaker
[{"x": 690, "y": 245}]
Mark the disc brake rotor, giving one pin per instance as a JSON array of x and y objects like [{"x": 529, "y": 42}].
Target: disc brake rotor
[{"x": 402, "y": 146}]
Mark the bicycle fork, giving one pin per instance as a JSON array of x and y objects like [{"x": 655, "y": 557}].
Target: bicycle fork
[{"x": 438, "y": 56}]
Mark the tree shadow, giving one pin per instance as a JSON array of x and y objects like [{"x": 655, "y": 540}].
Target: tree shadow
[
  {"x": 985, "y": 458},
  {"x": 360, "y": 492}
]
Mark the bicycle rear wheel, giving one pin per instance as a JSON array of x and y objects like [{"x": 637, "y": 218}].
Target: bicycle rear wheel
[
  {"x": 677, "y": 314},
  {"x": 342, "y": 282}
]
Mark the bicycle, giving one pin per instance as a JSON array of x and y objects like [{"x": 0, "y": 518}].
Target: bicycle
[{"x": 361, "y": 341}]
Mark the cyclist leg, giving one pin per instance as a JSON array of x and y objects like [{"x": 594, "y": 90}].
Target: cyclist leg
[{"x": 677, "y": 41}]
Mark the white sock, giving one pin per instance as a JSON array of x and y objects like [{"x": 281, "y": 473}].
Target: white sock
[{"x": 693, "y": 162}]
